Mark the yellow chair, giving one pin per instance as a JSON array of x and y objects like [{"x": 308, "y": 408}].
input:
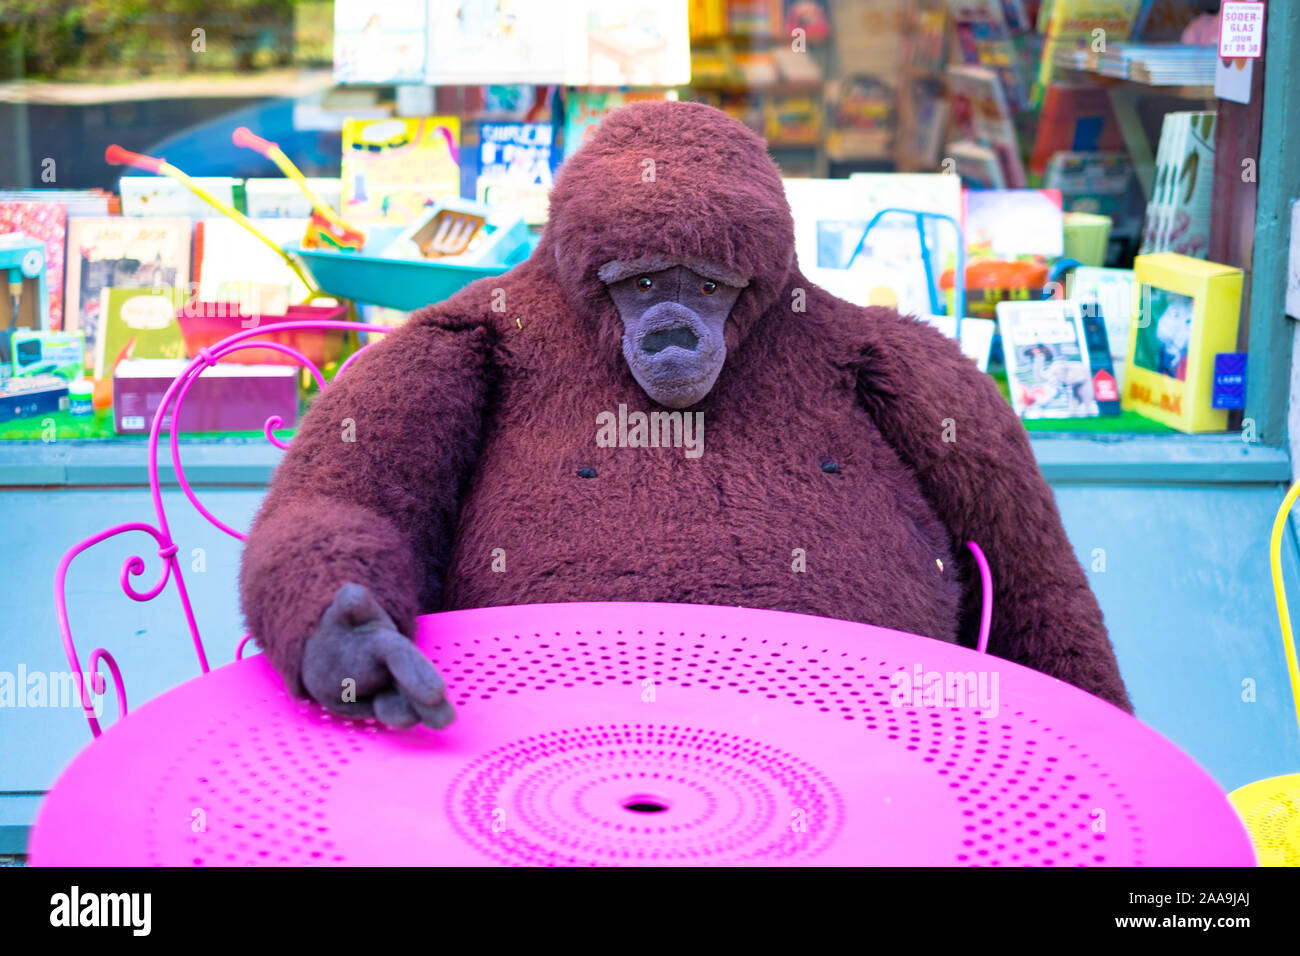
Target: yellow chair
[{"x": 1270, "y": 808}]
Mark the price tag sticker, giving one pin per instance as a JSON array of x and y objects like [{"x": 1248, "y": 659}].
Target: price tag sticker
[{"x": 1241, "y": 29}]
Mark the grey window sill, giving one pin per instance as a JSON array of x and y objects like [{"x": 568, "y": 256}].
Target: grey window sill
[{"x": 248, "y": 462}]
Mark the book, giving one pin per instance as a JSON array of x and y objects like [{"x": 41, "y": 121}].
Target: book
[
  {"x": 1105, "y": 380},
  {"x": 986, "y": 38},
  {"x": 977, "y": 165},
  {"x": 830, "y": 216},
  {"x": 48, "y": 222},
  {"x": 1159, "y": 64},
  {"x": 980, "y": 112},
  {"x": 77, "y": 202},
  {"x": 1178, "y": 216},
  {"x": 792, "y": 119},
  {"x": 863, "y": 118},
  {"x": 1075, "y": 119},
  {"x": 138, "y": 323},
  {"x": 379, "y": 41},
  {"x": 976, "y": 336},
  {"x": 121, "y": 253},
  {"x": 393, "y": 169},
  {"x": 1107, "y": 293},
  {"x": 929, "y": 121},
  {"x": 230, "y": 264},
  {"x": 597, "y": 43},
  {"x": 163, "y": 196},
  {"x": 1009, "y": 224},
  {"x": 1046, "y": 352},
  {"x": 1074, "y": 25},
  {"x": 584, "y": 109},
  {"x": 1186, "y": 312},
  {"x": 280, "y": 198},
  {"x": 1100, "y": 184},
  {"x": 516, "y": 167}
]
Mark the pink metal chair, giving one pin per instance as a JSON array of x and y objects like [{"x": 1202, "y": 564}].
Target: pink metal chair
[{"x": 160, "y": 531}]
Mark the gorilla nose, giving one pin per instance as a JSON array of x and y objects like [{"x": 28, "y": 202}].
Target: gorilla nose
[{"x": 679, "y": 336}]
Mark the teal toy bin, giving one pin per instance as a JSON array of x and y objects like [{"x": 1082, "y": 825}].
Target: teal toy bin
[{"x": 405, "y": 284}]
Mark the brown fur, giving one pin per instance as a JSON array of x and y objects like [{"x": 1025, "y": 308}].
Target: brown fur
[{"x": 470, "y": 431}]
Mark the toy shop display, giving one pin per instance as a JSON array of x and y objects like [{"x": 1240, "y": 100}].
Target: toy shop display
[{"x": 435, "y": 193}]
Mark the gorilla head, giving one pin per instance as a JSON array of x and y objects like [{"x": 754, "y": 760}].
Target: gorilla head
[{"x": 671, "y": 237}]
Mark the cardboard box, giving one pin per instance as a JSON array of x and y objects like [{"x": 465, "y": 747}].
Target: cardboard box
[
  {"x": 32, "y": 395},
  {"x": 1185, "y": 312},
  {"x": 226, "y": 398}
]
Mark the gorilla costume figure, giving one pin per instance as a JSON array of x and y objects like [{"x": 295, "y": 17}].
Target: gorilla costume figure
[{"x": 664, "y": 292}]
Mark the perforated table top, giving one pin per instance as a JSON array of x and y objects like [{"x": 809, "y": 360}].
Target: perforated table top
[{"x": 651, "y": 734}]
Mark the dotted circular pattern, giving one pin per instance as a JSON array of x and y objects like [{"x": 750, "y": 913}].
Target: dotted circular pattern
[{"x": 643, "y": 794}]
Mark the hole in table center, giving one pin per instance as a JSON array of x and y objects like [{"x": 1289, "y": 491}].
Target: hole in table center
[{"x": 645, "y": 803}]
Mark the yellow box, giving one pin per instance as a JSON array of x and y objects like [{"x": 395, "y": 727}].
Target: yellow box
[{"x": 1185, "y": 311}]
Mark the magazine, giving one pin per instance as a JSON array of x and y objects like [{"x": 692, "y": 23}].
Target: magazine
[{"x": 1046, "y": 352}]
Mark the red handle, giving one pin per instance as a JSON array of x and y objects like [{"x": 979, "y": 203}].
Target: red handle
[
  {"x": 247, "y": 138},
  {"x": 117, "y": 156}
]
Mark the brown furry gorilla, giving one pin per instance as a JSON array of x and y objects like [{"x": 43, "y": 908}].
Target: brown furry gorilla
[{"x": 485, "y": 429}]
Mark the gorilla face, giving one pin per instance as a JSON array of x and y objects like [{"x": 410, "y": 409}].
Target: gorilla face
[{"x": 673, "y": 323}]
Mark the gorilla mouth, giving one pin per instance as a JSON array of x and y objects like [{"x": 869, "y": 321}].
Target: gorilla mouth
[{"x": 679, "y": 336}]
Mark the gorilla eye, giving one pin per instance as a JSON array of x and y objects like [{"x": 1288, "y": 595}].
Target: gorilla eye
[
  {"x": 644, "y": 283},
  {"x": 709, "y": 287}
]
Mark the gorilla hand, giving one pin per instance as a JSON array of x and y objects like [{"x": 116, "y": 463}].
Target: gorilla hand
[{"x": 356, "y": 641}]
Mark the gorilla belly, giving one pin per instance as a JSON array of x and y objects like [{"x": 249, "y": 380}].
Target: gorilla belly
[{"x": 829, "y": 528}]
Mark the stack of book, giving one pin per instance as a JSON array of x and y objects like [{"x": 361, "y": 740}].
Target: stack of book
[
  {"x": 987, "y": 139},
  {"x": 1159, "y": 64},
  {"x": 1178, "y": 216},
  {"x": 1071, "y": 28}
]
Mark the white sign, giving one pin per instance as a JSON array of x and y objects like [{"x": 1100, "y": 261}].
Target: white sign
[
  {"x": 1293, "y": 273},
  {"x": 1241, "y": 29}
]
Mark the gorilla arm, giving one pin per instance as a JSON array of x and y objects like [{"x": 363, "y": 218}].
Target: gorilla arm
[
  {"x": 353, "y": 537},
  {"x": 985, "y": 485}
]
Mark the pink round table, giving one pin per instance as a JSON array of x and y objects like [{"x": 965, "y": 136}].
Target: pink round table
[{"x": 652, "y": 734}]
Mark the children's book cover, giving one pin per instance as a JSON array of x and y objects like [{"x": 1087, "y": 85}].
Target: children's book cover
[
  {"x": 161, "y": 196},
  {"x": 831, "y": 216},
  {"x": 138, "y": 323},
  {"x": 516, "y": 167},
  {"x": 48, "y": 222},
  {"x": 379, "y": 41},
  {"x": 1013, "y": 224},
  {"x": 393, "y": 169},
  {"x": 121, "y": 252},
  {"x": 1107, "y": 293}
]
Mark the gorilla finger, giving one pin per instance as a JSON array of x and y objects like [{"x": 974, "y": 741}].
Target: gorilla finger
[
  {"x": 413, "y": 672},
  {"x": 439, "y": 716},
  {"x": 393, "y": 709}
]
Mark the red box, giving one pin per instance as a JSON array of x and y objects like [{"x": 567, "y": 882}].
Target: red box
[
  {"x": 225, "y": 398},
  {"x": 204, "y": 324}
]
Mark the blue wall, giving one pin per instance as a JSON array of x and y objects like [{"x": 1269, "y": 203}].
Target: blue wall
[{"x": 1185, "y": 588}]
